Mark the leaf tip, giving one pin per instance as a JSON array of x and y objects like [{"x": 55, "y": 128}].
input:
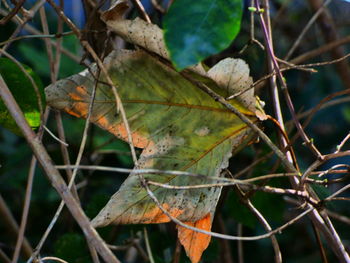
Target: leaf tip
[{"x": 194, "y": 242}]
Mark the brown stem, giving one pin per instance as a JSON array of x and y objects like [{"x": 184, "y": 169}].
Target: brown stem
[
  {"x": 25, "y": 212},
  {"x": 12, "y": 13},
  {"x": 262, "y": 220},
  {"x": 329, "y": 32},
  {"x": 323, "y": 49},
  {"x": 177, "y": 252},
  {"x": 12, "y": 226},
  {"x": 53, "y": 174},
  {"x": 225, "y": 250}
]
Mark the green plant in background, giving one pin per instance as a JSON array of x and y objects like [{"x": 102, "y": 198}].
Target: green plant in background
[
  {"x": 206, "y": 28},
  {"x": 29, "y": 95}
]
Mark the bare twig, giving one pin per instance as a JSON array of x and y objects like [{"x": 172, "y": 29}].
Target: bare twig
[
  {"x": 53, "y": 174},
  {"x": 158, "y": 6},
  {"x": 28, "y": 16},
  {"x": 342, "y": 143},
  {"x": 306, "y": 28},
  {"x": 240, "y": 250},
  {"x": 317, "y": 163},
  {"x": 177, "y": 252},
  {"x": 3, "y": 257},
  {"x": 13, "y": 12},
  {"x": 142, "y": 10},
  {"x": 86, "y": 45},
  {"x": 58, "y": 36},
  {"x": 320, "y": 246},
  {"x": 148, "y": 246},
  {"x": 282, "y": 81},
  {"x": 55, "y": 137},
  {"x": 25, "y": 212},
  {"x": 263, "y": 222},
  {"x": 318, "y": 51},
  {"x": 33, "y": 30},
  {"x": 225, "y": 248},
  {"x": 329, "y": 31},
  {"x": 339, "y": 217},
  {"x": 54, "y": 259},
  {"x": 12, "y": 226},
  {"x": 229, "y": 237}
]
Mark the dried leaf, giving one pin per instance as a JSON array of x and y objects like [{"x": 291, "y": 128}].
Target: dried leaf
[
  {"x": 194, "y": 242},
  {"x": 233, "y": 76},
  {"x": 139, "y": 32},
  {"x": 178, "y": 126}
]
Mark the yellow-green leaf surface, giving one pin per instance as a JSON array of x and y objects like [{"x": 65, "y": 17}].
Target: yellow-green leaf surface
[
  {"x": 178, "y": 126},
  {"x": 24, "y": 92}
]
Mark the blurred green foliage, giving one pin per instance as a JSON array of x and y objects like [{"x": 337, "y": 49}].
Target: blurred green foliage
[{"x": 210, "y": 27}]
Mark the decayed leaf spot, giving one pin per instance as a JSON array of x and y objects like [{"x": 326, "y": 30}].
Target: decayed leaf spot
[
  {"x": 194, "y": 242},
  {"x": 202, "y": 131},
  {"x": 179, "y": 128}
]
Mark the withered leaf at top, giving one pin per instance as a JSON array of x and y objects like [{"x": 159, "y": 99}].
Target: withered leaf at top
[{"x": 178, "y": 126}]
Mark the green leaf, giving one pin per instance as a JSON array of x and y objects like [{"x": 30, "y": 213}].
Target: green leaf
[
  {"x": 24, "y": 93},
  {"x": 35, "y": 55},
  {"x": 179, "y": 127},
  {"x": 197, "y": 29}
]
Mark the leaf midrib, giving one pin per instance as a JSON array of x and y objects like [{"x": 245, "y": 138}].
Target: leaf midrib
[{"x": 172, "y": 104}]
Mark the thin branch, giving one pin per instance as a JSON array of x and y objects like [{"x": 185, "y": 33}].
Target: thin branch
[
  {"x": 9, "y": 221},
  {"x": 329, "y": 31},
  {"x": 342, "y": 143},
  {"x": 53, "y": 174},
  {"x": 318, "y": 51},
  {"x": 54, "y": 259},
  {"x": 25, "y": 212},
  {"x": 28, "y": 15},
  {"x": 58, "y": 36},
  {"x": 3, "y": 257},
  {"x": 33, "y": 30},
  {"x": 218, "y": 235},
  {"x": 55, "y": 137},
  {"x": 306, "y": 28},
  {"x": 199, "y": 176},
  {"x": 12, "y": 13},
  {"x": 317, "y": 163},
  {"x": 86, "y": 45},
  {"x": 240, "y": 250},
  {"x": 263, "y": 221},
  {"x": 282, "y": 81},
  {"x": 148, "y": 246},
  {"x": 142, "y": 10}
]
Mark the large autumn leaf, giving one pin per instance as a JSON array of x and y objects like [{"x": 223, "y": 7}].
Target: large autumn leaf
[{"x": 178, "y": 126}]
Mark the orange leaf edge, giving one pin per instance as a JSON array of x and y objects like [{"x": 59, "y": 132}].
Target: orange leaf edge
[
  {"x": 156, "y": 215},
  {"x": 194, "y": 242},
  {"x": 81, "y": 110}
]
